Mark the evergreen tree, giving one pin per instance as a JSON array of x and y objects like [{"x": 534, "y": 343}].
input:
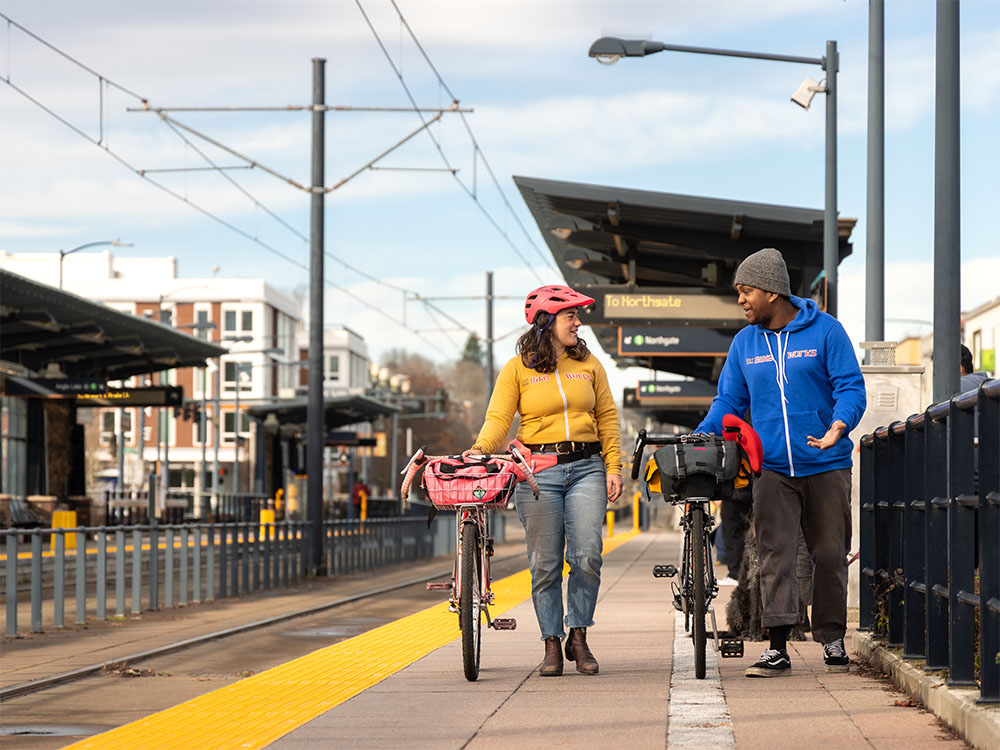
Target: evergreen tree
[{"x": 474, "y": 352}]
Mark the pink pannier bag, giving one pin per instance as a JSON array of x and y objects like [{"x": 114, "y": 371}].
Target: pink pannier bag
[{"x": 452, "y": 481}]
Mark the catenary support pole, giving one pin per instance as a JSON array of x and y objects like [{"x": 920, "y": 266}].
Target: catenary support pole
[
  {"x": 831, "y": 241},
  {"x": 314, "y": 409},
  {"x": 947, "y": 206},
  {"x": 875, "y": 217},
  {"x": 489, "y": 335},
  {"x": 216, "y": 433}
]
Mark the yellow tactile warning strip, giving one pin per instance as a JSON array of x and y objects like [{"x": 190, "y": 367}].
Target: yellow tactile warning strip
[{"x": 258, "y": 710}]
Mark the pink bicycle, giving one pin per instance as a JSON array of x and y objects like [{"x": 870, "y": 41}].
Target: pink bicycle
[{"x": 471, "y": 486}]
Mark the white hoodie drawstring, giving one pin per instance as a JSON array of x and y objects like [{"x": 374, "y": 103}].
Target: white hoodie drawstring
[{"x": 782, "y": 378}]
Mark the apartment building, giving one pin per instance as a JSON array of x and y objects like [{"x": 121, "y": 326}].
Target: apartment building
[
  {"x": 256, "y": 322},
  {"x": 346, "y": 367}
]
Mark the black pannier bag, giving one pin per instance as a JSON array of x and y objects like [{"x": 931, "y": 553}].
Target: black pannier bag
[{"x": 698, "y": 468}]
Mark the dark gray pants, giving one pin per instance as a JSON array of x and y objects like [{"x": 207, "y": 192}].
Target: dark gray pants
[{"x": 821, "y": 505}]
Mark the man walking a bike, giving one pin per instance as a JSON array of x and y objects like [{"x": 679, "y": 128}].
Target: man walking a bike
[{"x": 795, "y": 368}]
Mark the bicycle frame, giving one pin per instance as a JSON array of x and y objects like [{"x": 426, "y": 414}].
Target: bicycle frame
[
  {"x": 685, "y": 591},
  {"x": 478, "y": 517}
]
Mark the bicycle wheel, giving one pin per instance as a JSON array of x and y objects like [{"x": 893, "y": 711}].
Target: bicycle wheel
[
  {"x": 698, "y": 589},
  {"x": 470, "y": 613}
]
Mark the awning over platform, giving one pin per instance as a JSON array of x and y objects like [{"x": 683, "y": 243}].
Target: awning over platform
[
  {"x": 337, "y": 411},
  {"x": 671, "y": 253},
  {"x": 42, "y": 325}
]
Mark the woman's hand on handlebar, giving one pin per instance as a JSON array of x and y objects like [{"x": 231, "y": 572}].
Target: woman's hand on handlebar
[
  {"x": 614, "y": 487},
  {"x": 471, "y": 452}
]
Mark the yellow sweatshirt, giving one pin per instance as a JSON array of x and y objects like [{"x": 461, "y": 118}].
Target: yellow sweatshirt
[{"x": 572, "y": 403}]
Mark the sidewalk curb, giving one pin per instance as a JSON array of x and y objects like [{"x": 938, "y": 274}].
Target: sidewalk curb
[{"x": 976, "y": 724}]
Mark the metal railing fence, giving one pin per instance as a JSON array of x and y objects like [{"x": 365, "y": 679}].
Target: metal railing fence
[
  {"x": 102, "y": 572},
  {"x": 930, "y": 537},
  {"x": 132, "y": 507}
]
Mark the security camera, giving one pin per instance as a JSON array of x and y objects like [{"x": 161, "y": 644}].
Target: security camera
[{"x": 804, "y": 93}]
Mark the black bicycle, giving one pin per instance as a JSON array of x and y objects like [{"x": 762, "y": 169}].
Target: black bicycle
[{"x": 690, "y": 471}]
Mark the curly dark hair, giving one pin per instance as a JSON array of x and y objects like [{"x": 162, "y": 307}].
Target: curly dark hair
[{"x": 536, "y": 349}]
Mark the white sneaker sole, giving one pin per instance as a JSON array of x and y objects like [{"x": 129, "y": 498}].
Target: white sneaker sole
[{"x": 762, "y": 672}]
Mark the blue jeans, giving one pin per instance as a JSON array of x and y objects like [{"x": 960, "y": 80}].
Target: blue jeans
[{"x": 567, "y": 516}]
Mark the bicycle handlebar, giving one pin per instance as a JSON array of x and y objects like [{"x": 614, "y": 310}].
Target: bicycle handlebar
[
  {"x": 418, "y": 459},
  {"x": 644, "y": 439}
]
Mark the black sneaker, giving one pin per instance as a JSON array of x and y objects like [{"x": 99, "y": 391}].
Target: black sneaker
[
  {"x": 772, "y": 663},
  {"x": 835, "y": 657}
]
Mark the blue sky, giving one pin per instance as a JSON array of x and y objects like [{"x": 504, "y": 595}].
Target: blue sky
[{"x": 711, "y": 126}]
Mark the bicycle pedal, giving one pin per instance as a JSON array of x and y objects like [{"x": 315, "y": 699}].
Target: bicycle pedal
[
  {"x": 438, "y": 586},
  {"x": 664, "y": 571},
  {"x": 731, "y": 648},
  {"x": 489, "y": 547},
  {"x": 504, "y": 623}
]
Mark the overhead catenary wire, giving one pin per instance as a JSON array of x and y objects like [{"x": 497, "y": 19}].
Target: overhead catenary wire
[
  {"x": 144, "y": 174},
  {"x": 477, "y": 150},
  {"x": 437, "y": 145}
]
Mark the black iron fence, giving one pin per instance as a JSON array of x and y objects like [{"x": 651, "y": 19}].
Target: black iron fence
[{"x": 930, "y": 538}]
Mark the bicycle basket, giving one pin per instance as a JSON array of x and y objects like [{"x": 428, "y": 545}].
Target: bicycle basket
[
  {"x": 703, "y": 468},
  {"x": 453, "y": 481}
]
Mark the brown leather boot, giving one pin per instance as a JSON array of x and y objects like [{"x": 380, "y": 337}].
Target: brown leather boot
[
  {"x": 552, "y": 664},
  {"x": 578, "y": 651}
]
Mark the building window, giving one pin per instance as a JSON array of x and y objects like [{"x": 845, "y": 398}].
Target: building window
[
  {"x": 113, "y": 422},
  {"x": 247, "y": 319},
  {"x": 228, "y": 426},
  {"x": 202, "y": 329},
  {"x": 245, "y": 372},
  {"x": 333, "y": 371},
  {"x": 13, "y": 446},
  {"x": 230, "y": 323}
]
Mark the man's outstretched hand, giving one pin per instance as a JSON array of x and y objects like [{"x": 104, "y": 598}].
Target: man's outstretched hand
[{"x": 830, "y": 438}]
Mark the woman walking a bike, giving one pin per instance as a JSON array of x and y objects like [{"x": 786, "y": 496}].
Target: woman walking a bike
[{"x": 567, "y": 414}]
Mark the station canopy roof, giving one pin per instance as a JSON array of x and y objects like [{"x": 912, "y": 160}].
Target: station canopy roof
[
  {"x": 41, "y": 325},
  {"x": 619, "y": 240},
  {"x": 337, "y": 411}
]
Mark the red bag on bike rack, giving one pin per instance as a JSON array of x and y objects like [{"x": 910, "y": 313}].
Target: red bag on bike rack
[{"x": 454, "y": 481}]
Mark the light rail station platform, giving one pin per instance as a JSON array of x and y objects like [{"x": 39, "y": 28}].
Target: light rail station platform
[{"x": 400, "y": 684}]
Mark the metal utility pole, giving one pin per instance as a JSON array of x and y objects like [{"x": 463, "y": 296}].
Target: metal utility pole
[
  {"x": 831, "y": 234},
  {"x": 947, "y": 206},
  {"x": 236, "y": 429},
  {"x": 216, "y": 430},
  {"x": 875, "y": 221},
  {"x": 203, "y": 421},
  {"x": 121, "y": 449},
  {"x": 489, "y": 335},
  {"x": 314, "y": 408}
]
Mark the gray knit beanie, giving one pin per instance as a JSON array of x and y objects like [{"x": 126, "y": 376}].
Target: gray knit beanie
[{"x": 764, "y": 270}]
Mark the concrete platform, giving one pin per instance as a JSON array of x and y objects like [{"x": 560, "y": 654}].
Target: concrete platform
[
  {"x": 629, "y": 704},
  {"x": 644, "y": 697}
]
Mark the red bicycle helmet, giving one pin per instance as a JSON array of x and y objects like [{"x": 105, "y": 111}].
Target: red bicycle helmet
[{"x": 552, "y": 299}]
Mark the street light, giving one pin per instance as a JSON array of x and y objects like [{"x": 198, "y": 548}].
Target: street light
[
  {"x": 609, "y": 50},
  {"x": 64, "y": 253}
]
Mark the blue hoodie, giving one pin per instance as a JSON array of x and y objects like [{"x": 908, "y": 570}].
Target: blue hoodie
[{"x": 796, "y": 382}]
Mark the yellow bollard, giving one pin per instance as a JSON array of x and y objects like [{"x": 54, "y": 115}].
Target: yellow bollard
[
  {"x": 279, "y": 498},
  {"x": 611, "y": 524},
  {"x": 64, "y": 519},
  {"x": 636, "y": 510},
  {"x": 364, "y": 505},
  {"x": 266, "y": 517}
]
